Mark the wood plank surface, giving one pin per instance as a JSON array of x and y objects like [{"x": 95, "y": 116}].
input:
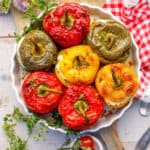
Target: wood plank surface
[{"x": 109, "y": 134}]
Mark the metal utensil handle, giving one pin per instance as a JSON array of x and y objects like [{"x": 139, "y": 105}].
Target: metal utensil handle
[
  {"x": 144, "y": 109},
  {"x": 144, "y": 140}
]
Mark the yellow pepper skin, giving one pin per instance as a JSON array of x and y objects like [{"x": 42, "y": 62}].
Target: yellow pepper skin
[
  {"x": 77, "y": 64},
  {"x": 116, "y": 83}
]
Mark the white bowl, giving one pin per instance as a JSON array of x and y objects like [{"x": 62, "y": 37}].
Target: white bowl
[
  {"x": 103, "y": 122},
  {"x": 98, "y": 144}
]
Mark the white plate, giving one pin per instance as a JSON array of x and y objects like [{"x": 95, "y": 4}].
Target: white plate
[{"x": 106, "y": 120}]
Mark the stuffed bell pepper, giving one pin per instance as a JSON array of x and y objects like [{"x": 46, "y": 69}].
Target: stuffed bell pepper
[
  {"x": 80, "y": 107},
  {"x": 68, "y": 24},
  {"x": 77, "y": 64},
  {"x": 111, "y": 40},
  {"x": 36, "y": 51},
  {"x": 42, "y": 92},
  {"x": 117, "y": 84}
]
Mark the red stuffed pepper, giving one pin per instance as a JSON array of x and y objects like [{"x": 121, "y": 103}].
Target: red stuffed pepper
[
  {"x": 68, "y": 24},
  {"x": 80, "y": 107},
  {"x": 87, "y": 143},
  {"x": 84, "y": 143},
  {"x": 42, "y": 92}
]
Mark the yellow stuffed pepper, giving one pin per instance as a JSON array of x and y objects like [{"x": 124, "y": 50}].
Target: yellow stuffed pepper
[
  {"x": 116, "y": 83},
  {"x": 77, "y": 64}
]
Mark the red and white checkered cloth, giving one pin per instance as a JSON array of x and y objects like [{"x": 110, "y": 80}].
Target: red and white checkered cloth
[{"x": 137, "y": 19}]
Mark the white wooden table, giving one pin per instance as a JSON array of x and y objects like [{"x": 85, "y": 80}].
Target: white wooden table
[{"x": 130, "y": 127}]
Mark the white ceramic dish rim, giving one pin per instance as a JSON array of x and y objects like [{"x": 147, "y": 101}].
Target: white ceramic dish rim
[{"x": 113, "y": 119}]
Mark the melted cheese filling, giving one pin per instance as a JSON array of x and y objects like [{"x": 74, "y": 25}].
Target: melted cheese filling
[{"x": 122, "y": 102}]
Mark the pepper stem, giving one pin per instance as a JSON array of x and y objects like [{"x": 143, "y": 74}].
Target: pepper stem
[
  {"x": 111, "y": 38},
  {"x": 38, "y": 48},
  {"x": 79, "y": 62},
  {"x": 81, "y": 106},
  {"x": 117, "y": 81},
  {"x": 43, "y": 90},
  {"x": 67, "y": 20}
]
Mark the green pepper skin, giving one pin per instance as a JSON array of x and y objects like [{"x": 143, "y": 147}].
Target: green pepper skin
[
  {"x": 36, "y": 51},
  {"x": 111, "y": 40}
]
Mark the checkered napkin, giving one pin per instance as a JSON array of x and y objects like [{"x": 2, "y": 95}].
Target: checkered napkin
[{"x": 137, "y": 19}]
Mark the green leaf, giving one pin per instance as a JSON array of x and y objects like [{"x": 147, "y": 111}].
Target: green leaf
[
  {"x": 10, "y": 121},
  {"x": 76, "y": 145},
  {"x": 15, "y": 142},
  {"x": 6, "y": 5},
  {"x": 40, "y": 3},
  {"x": 52, "y": 6},
  {"x": 17, "y": 37},
  {"x": 17, "y": 114},
  {"x": 71, "y": 131},
  {"x": 68, "y": 140},
  {"x": 41, "y": 131},
  {"x": 55, "y": 120},
  {"x": 36, "y": 20}
]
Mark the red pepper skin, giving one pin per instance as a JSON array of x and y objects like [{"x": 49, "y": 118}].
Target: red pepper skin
[
  {"x": 62, "y": 35},
  {"x": 70, "y": 116},
  {"x": 39, "y": 103},
  {"x": 87, "y": 142}
]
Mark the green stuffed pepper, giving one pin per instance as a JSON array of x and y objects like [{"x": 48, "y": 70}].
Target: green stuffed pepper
[
  {"x": 111, "y": 40},
  {"x": 36, "y": 51}
]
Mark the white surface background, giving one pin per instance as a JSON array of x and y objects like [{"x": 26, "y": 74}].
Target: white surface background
[{"x": 130, "y": 127}]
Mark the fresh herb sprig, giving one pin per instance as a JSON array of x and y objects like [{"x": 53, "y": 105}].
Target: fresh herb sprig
[
  {"x": 54, "y": 119},
  {"x": 11, "y": 120},
  {"x": 68, "y": 139},
  {"x": 32, "y": 13},
  {"x": 5, "y": 5},
  {"x": 15, "y": 142},
  {"x": 31, "y": 121},
  {"x": 76, "y": 146},
  {"x": 41, "y": 130},
  {"x": 37, "y": 6}
]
